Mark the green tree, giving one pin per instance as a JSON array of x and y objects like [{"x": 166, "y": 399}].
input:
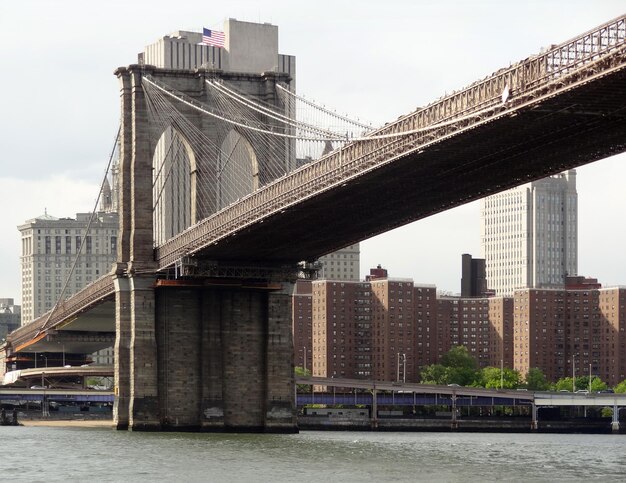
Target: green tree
[
  {"x": 597, "y": 384},
  {"x": 564, "y": 384},
  {"x": 458, "y": 357},
  {"x": 463, "y": 376},
  {"x": 493, "y": 378},
  {"x": 536, "y": 380},
  {"x": 582, "y": 383},
  {"x": 457, "y": 366},
  {"x": 434, "y": 374},
  {"x": 621, "y": 387},
  {"x": 302, "y": 372}
]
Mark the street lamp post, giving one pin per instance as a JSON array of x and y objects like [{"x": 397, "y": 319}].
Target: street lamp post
[
  {"x": 304, "y": 348},
  {"x": 573, "y": 374},
  {"x": 501, "y": 373},
  {"x": 397, "y": 367},
  {"x": 590, "y": 378},
  {"x": 404, "y": 368}
]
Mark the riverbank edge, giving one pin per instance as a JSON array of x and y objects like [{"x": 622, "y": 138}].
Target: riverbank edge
[{"x": 473, "y": 426}]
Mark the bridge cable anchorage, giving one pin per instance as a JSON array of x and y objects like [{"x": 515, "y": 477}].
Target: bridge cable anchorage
[{"x": 87, "y": 231}]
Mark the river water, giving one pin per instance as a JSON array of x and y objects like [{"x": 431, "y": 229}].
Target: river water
[{"x": 44, "y": 454}]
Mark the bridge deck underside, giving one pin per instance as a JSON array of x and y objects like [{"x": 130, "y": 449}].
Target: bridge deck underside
[{"x": 581, "y": 125}]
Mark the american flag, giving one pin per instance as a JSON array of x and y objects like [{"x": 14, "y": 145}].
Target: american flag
[{"x": 212, "y": 37}]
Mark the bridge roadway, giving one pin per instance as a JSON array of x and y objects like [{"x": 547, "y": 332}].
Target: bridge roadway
[
  {"x": 543, "y": 115},
  {"x": 512, "y": 396},
  {"x": 83, "y": 323},
  {"x": 455, "y": 397},
  {"x": 15, "y": 394}
]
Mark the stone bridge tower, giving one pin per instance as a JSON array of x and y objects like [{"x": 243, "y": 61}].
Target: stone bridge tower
[{"x": 200, "y": 354}]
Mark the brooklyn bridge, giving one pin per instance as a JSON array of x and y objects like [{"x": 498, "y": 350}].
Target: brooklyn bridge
[{"x": 228, "y": 192}]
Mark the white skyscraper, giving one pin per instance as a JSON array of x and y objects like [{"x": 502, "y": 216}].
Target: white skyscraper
[{"x": 529, "y": 234}]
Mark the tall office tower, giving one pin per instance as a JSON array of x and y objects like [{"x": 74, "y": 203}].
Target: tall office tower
[
  {"x": 343, "y": 264},
  {"x": 49, "y": 247},
  {"x": 529, "y": 234}
]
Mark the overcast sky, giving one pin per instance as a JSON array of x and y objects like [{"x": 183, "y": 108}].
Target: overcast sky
[{"x": 370, "y": 59}]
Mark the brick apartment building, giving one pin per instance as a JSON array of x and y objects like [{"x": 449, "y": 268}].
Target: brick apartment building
[
  {"x": 386, "y": 329},
  {"x": 481, "y": 324},
  {"x": 574, "y": 331}
]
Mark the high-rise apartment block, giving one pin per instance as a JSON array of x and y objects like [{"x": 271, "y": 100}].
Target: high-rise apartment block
[
  {"x": 529, "y": 234},
  {"x": 387, "y": 328},
  {"x": 577, "y": 330},
  {"x": 476, "y": 323},
  {"x": 302, "y": 328}
]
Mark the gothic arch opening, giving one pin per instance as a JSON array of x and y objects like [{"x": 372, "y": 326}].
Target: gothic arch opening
[
  {"x": 173, "y": 186},
  {"x": 237, "y": 169}
]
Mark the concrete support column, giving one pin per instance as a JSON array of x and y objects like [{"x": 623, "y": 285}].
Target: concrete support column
[
  {"x": 454, "y": 425},
  {"x": 280, "y": 401},
  {"x": 374, "y": 416},
  {"x": 615, "y": 419},
  {"x": 534, "y": 425},
  {"x": 143, "y": 405},
  {"x": 122, "y": 352}
]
